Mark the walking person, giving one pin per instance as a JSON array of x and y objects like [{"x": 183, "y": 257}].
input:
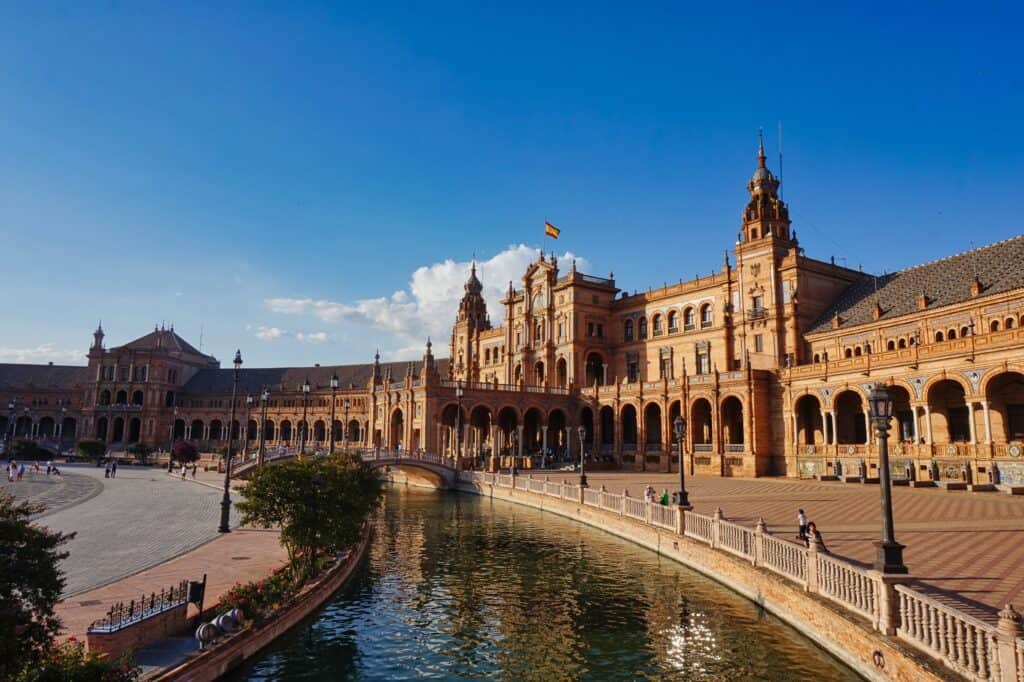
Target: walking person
[
  {"x": 664, "y": 498},
  {"x": 184, "y": 469},
  {"x": 113, "y": 469},
  {"x": 106, "y": 471},
  {"x": 801, "y": 524},
  {"x": 814, "y": 535}
]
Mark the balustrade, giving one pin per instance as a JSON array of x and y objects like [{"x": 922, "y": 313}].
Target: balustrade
[
  {"x": 848, "y": 585},
  {"x": 785, "y": 558},
  {"x": 736, "y": 539}
]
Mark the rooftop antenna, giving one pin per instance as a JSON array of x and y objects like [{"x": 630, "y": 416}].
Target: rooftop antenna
[{"x": 781, "y": 186}]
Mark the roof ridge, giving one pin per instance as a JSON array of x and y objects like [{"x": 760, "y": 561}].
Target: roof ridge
[{"x": 955, "y": 255}]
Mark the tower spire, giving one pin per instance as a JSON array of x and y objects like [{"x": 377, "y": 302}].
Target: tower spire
[{"x": 761, "y": 158}]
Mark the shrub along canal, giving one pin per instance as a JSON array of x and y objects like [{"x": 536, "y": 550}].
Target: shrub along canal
[{"x": 462, "y": 587}]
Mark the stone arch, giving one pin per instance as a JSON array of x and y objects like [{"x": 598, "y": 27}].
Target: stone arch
[
  {"x": 947, "y": 402},
  {"x": 354, "y": 431},
  {"x": 533, "y": 419},
  {"x": 137, "y": 397},
  {"x": 586, "y": 420},
  {"x": 701, "y": 424},
  {"x": 117, "y": 432},
  {"x": 319, "y": 431},
  {"x": 902, "y": 412},
  {"x": 848, "y": 407},
  {"x": 607, "y": 415},
  {"x": 1005, "y": 393},
  {"x": 69, "y": 428},
  {"x": 104, "y": 398},
  {"x": 268, "y": 430},
  {"x": 628, "y": 425},
  {"x": 121, "y": 398},
  {"x": 178, "y": 430},
  {"x": 508, "y": 422},
  {"x": 46, "y": 427},
  {"x": 594, "y": 369},
  {"x": 396, "y": 429},
  {"x": 216, "y": 430},
  {"x": 285, "y": 431},
  {"x": 732, "y": 420},
  {"x": 652, "y": 425},
  {"x": 943, "y": 376},
  {"x": 810, "y": 429},
  {"x": 134, "y": 430},
  {"x": 196, "y": 430},
  {"x": 480, "y": 419},
  {"x": 101, "y": 428},
  {"x": 557, "y": 422},
  {"x": 561, "y": 373}
]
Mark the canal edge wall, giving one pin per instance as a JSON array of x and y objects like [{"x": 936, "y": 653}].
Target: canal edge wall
[
  {"x": 221, "y": 658},
  {"x": 870, "y": 654}
]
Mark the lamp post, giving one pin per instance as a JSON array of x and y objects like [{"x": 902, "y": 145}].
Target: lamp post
[
  {"x": 264, "y": 395},
  {"x": 302, "y": 426},
  {"x": 458, "y": 422},
  {"x": 225, "y": 503},
  {"x": 582, "y": 430},
  {"x": 248, "y": 407},
  {"x": 679, "y": 427},
  {"x": 344, "y": 428},
  {"x": 889, "y": 553},
  {"x": 334, "y": 394}
]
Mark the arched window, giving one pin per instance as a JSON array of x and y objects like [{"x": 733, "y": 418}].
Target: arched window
[
  {"x": 538, "y": 332},
  {"x": 705, "y": 316},
  {"x": 939, "y": 337},
  {"x": 902, "y": 343},
  {"x": 487, "y": 356},
  {"x": 848, "y": 353},
  {"x": 643, "y": 327},
  {"x": 688, "y": 319},
  {"x": 857, "y": 352},
  {"x": 627, "y": 330},
  {"x": 963, "y": 332},
  {"x": 994, "y": 326},
  {"x": 657, "y": 325},
  {"x": 673, "y": 322},
  {"x": 890, "y": 345},
  {"x": 817, "y": 358},
  {"x": 1009, "y": 323},
  {"x": 951, "y": 334}
]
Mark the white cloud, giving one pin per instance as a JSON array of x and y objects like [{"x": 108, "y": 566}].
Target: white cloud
[
  {"x": 270, "y": 333},
  {"x": 40, "y": 354},
  {"x": 311, "y": 337},
  {"x": 427, "y": 306}
]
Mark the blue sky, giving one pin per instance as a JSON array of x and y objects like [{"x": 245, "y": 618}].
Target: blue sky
[{"x": 307, "y": 181}]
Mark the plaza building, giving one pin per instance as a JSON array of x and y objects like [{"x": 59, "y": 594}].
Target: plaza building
[{"x": 768, "y": 360}]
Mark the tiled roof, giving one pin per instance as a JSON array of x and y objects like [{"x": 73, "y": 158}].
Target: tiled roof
[
  {"x": 166, "y": 339},
  {"x": 42, "y": 376},
  {"x": 290, "y": 378},
  {"x": 999, "y": 267}
]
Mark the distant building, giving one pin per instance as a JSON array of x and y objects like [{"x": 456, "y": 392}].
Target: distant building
[{"x": 768, "y": 359}]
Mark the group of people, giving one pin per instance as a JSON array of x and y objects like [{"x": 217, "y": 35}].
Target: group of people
[
  {"x": 651, "y": 495},
  {"x": 111, "y": 470},
  {"x": 186, "y": 468},
  {"x": 16, "y": 472},
  {"x": 806, "y": 531}
]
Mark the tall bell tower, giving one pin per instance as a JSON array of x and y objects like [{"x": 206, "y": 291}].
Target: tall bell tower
[
  {"x": 471, "y": 320},
  {"x": 766, "y": 215}
]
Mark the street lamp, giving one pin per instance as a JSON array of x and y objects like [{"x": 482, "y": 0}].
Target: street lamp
[
  {"x": 679, "y": 427},
  {"x": 302, "y": 427},
  {"x": 225, "y": 503},
  {"x": 264, "y": 395},
  {"x": 582, "y": 430},
  {"x": 344, "y": 428},
  {"x": 458, "y": 422},
  {"x": 248, "y": 406},
  {"x": 334, "y": 393},
  {"x": 889, "y": 553}
]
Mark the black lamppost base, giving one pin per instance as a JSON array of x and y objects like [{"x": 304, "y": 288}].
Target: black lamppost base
[
  {"x": 583, "y": 481},
  {"x": 684, "y": 499},
  {"x": 889, "y": 558},
  {"x": 225, "y": 515}
]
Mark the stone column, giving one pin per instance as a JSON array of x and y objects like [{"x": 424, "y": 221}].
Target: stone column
[
  {"x": 867, "y": 427},
  {"x": 928, "y": 424},
  {"x": 604, "y": 374},
  {"x": 970, "y": 420},
  {"x": 988, "y": 422},
  {"x": 916, "y": 418},
  {"x": 568, "y": 443},
  {"x": 519, "y": 441},
  {"x": 796, "y": 434},
  {"x": 824, "y": 426},
  {"x": 1008, "y": 630},
  {"x": 543, "y": 446}
]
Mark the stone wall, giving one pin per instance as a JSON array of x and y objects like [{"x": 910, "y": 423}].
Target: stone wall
[{"x": 137, "y": 635}]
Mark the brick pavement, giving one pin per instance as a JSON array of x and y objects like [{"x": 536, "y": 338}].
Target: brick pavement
[
  {"x": 54, "y": 492},
  {"x": 965, "y": 547},
  {"x": 140, "y": 519},
  {"x": 240, "y": 556}
]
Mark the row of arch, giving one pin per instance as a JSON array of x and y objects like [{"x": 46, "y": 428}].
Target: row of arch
[
  {"x": 119, "y": 398},
  {"x": 44, "y": 427},
  {"x": 668, "y": 323},
  {"x": 283, "y": 431},
  {"x": 947, "y": 414},
  {"x": 940, "y": 335},
  {"x": 632, "y": 428}
]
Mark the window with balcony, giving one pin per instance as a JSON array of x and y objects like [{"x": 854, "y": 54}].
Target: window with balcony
[
  {"x": 627, "y": 330},
  {"x": 658, "y": 331},
  {"x": 632, "y": 367},
  {"x": 689, "y": 320},
  {"x": 673, "y": 322},
  {"x": 642, "y": 328},
  {"x": 706, "y": 319}
]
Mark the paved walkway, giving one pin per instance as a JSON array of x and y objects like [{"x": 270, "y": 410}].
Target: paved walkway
[
  {"x": 240, "y": 556},
  {"x": 967, "y": 546},
  {"x": 140, "y": 519}
]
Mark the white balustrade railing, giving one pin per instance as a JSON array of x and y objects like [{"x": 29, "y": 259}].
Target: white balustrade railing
[
  {"x": 611, "y": 502},
  {"x": 849, "y": 585},
  {"x": 699, "y": 527},
  {"x": 570, "y": 492},
  {"x": 634, "y": 508},
  {"x": 592, "y": 497},
  {"x": 553, "y": 488},
  {"x": 962, "y": 642},
  {"x": 736, "y": 539},
  {"x": 663, "y": 516},
  {"x": 536, "y": 486},
  {"x": 785, "y": 558}
]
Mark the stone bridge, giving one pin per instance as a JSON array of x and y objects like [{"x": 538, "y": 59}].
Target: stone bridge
[{"x": 422, "y": 467}]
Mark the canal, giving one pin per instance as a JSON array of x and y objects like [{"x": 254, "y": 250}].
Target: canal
[{"x": 460, "y": 587}]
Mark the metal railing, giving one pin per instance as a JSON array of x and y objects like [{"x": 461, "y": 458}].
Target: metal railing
[{"x": 122, "y": 614}]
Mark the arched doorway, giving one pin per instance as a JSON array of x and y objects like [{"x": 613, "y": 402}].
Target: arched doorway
[
  {"x": 454, "y": 426},
  {"x": 700, "y": 425},
  {"x": 354, "y": 431},
  {"x": 809, "y": 427},
  {"x": 627, "y": 418},
  {"x": 851, "y": 429},
  {"x": 396, "y": 430},
  {"x": 216, "y": 430},
  {"x": 561, "y": 373},
  {"x": 532, "y": 436},
  {"x": 118, "y": 435},
  {"x": 101, "y": 428},
  {"x": 508, "y": 421},
  {"x": 285, "y": 431},
  {"x": 607, "y": 427},
  {"x": 1005, "y": 394},
  {"x": 480, "y": 428},
  {"x": 252, "y": 429},
  {"x": 46, "y": 427},
  {"x": 557, "y": 422},
  {"x": 136, "y": 397},
  {"x": 68, "y": 428},
  {"x": 122, "y": 398},
  {"x": 196, "y": 430},
  {"x": 538, "y": 374},
  {"x": 732, "y": 423},
  {"x": 268, "y": 430},
  {"x": 949, "y": 414},
  {"x": 652, "y": 427},
  {"x": 587, "y": 422},
  {"x": 319, "y": 431},
  {"x": 134, "y": 430},
  {"x": 903, "y": 414},
  {"x": 595, "y": 369},
  {"x": 178, "y": 432}
]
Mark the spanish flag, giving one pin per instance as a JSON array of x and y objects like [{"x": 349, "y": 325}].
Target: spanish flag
[{"x": 550, "y": 230}]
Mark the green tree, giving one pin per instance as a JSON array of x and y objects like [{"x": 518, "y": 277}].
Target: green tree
[
  {"x": 319, "y": 505},
  {"x": 184, "y": 452},
  {"x": 141, "y": 451},
  {"x": 92, "y": 449},
  {"x": 24, "y": 449},
  {"x": 30, "y": 586},
  {"x": 69, "y": 662}
]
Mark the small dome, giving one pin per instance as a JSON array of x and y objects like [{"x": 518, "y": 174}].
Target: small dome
[{"x": 473, "y": 285}]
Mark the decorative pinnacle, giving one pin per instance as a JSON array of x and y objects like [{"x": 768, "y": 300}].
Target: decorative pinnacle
[{"x": 760, "y": 148}]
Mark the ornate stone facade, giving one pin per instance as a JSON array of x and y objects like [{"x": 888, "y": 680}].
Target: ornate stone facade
[{"x": 767, "y": 359}]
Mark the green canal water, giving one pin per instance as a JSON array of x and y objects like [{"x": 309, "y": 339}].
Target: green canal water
[{"x": 458, "y": 587}]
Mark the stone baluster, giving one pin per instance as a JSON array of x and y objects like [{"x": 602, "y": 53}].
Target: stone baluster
[
  {"x": 1008, "y": 630},
  {"x": 715, "y": 520},
  {"x": 760, "y": 529}
]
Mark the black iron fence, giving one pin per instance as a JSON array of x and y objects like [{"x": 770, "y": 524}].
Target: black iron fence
[{"x": 123, "y": 614}]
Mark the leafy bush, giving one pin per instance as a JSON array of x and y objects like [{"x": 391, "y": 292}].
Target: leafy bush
[
  {"x": 257, "y": 600},
  {"x": 70, "y": 663},
  {"x": 184, "y": 452},
  {"x": 24, "y": 449},
  {"x": 92, "y": 449},
  {"x": 141, "y": 451}
]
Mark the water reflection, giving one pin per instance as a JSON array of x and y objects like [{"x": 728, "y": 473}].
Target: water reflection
[{"x": 458, "y": 587}]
